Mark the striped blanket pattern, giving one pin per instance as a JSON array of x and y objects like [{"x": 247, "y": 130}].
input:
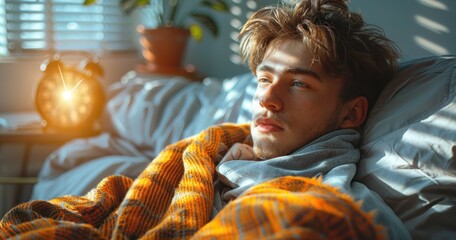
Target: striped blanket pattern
[{"x": 172, "y": 199}]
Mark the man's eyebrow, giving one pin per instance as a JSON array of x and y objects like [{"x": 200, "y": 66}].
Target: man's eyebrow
[
  {"x": 292, "y": 70},
  {"x": 264, "y": 68}
]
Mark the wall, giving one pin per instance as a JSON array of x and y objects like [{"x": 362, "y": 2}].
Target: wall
[
  {"x": 419, "y": 27},
  {"x": 219, "y": 57}
]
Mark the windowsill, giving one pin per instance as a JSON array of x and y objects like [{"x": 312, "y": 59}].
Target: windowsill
[{"x": 33, "y": 57}]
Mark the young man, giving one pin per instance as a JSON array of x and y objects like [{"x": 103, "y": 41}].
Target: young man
[{"x": 319, "y": 67}]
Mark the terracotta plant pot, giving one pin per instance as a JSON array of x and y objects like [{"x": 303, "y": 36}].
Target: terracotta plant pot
[{"x": 164, "y": 47}]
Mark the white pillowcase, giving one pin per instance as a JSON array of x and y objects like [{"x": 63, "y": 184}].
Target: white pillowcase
[{"x": 409, "y": 147}]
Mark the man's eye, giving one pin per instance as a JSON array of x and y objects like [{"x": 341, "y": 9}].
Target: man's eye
[
  {"x": 263, "y": 80},
  {"x": 300, "y": 84}
]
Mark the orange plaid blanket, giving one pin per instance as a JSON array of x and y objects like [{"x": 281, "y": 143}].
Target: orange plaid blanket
[{"x": 172, "y": 199}]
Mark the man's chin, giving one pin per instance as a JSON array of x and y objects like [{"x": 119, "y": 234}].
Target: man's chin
[
  {"x": 267, "y": 145},
  {"x": 266, "y": 151}
]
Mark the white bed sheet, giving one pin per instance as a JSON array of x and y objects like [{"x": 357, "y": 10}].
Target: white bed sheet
[{"x": 142, "y": 116}]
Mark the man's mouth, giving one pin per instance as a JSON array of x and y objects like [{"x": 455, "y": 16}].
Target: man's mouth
[{"x": 267, "y": 125}]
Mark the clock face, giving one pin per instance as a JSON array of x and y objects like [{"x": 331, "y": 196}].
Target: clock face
[{"x": 68, "y": 99}]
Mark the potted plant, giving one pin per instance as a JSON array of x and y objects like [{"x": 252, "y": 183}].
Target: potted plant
[{"x": 164, "y": 45}]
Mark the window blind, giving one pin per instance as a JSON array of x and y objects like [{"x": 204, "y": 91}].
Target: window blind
[
  {"x": 56, "y": 25},
  {"x": 3, "y": 42}
]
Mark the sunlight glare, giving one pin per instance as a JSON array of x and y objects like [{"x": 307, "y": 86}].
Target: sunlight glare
[
  {"x": 431, "y": 24},
  {"x": 72, "y": 26},
  {"x": 234, "y": 47},
  {"x": 236, "y": 23},
  {"x": 420, "y": 139},
  {"x": 430, "y": 46},
  {"x": 67, "y": 95},
  {"x": 252, "y": 5},
  {"x": 235, "y": 10},
  {"x": 434, "y": 4},
  {"x": 234, "y": 58}
]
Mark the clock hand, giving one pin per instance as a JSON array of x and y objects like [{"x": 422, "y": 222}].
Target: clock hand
[
  {"x": 67, "y": 95},
  {"x": 61, "y": 77},
  {"x": 77, "y": 85}
]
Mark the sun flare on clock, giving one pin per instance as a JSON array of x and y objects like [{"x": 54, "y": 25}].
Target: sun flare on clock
[
  {"x": 69, "y": 98},
  {"x": 66, "y": 95}
]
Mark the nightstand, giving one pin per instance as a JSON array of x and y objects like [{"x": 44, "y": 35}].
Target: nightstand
[{"x": 24, "y": 145}]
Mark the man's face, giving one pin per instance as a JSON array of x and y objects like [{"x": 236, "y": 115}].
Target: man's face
[{"x": 295, "y": 101}]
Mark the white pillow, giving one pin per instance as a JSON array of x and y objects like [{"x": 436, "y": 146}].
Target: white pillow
[
  {"x": 153, "y": 113},
  {"x": 409, "y": 147}
]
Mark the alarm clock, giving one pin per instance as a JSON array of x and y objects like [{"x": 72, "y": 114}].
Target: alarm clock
[{"x": 69, "y": 97}]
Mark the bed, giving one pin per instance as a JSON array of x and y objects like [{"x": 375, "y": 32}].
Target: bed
[{"x": 408, "y": 147}]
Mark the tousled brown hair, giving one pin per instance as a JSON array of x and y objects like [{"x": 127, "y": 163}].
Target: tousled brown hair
[{"x": 341, "y": 40}]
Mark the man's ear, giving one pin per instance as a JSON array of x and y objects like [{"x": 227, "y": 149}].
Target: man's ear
[{"x": 355, "y": 112}]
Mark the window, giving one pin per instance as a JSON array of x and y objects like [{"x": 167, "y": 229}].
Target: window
[
  {"x": 3, "y": 50},
  {"x": 28, "y": 26}
]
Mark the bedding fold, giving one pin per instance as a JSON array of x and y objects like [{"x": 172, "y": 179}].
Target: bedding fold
[
  {"x": 172, "y": 199},
  {"x": 143, "y": 115}
]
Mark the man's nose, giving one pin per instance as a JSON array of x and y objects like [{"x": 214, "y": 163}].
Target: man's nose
[{"x": 270, "y": 98}]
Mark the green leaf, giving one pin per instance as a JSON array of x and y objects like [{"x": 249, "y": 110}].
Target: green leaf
[
  {"x": 129, "y": 5},
  {"x": 217, "y": 5},
  {"x": 197, "y": 32},
  {"x": 207, "y": 21},
  {"x": 89, "y": 2},
  {"x": 142, "y": 3}
]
